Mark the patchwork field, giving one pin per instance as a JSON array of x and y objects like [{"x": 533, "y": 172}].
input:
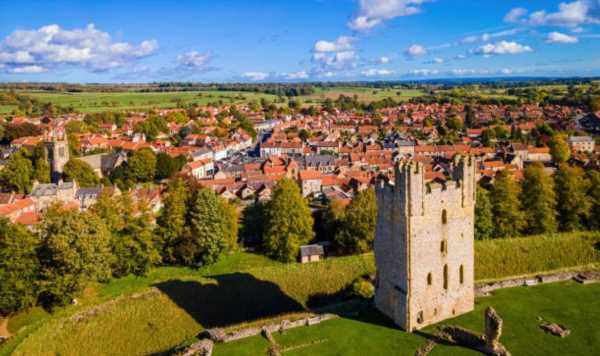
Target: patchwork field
[{"x": 170, "y": 306}]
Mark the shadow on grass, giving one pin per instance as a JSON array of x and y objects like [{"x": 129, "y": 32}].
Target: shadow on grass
[{"x": 235, "y": 298}]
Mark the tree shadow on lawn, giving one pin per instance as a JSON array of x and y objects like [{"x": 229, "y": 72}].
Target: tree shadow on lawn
[{"x": 235, "y": 298}]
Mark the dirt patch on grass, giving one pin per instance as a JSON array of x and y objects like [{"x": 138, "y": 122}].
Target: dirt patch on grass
[{"x": 4, "y": 328}]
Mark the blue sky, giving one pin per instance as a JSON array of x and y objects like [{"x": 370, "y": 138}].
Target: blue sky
[{"x": 257, "y": 41}]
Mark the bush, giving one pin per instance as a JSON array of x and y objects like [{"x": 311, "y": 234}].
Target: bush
[{"x": 363, "y": 288}]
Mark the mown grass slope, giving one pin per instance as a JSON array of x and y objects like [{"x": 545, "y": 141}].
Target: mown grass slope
[
  {"x": 142, "y": 315},
  {"x": 574, "y": 305}
]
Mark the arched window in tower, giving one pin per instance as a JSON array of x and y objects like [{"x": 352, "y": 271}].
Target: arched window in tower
[
  {"x": 445, "y": 276},
  {"x": 429, "y": 279},
  {"x": 443, "y": 247},
  {"x": 461, "y": 274},
  {"x": 444, "y": 217}
]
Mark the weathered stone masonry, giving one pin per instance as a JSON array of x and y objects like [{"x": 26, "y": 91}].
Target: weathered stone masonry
[{"x": 424, "y": 245}]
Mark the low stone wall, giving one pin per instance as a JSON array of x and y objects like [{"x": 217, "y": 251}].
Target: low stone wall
[
  {"x": 219, "y": 335},
  {"x": 483, "y": 289}
]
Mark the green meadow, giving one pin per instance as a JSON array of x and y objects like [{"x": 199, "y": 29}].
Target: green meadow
[{"x": 171, "y": 305}]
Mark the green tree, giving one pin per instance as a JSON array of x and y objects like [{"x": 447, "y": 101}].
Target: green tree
[
  {"x": 288, "y": 222},
  {"x": 573, "y": 202},
  {"x": 594, "y": 194},
  {"x": 506, "y": 206},
  {"x": 75, "y": 249},
  {"x": 80, "y": 172},
  {"x": 42, "y": 171},
  {"x": 232, "y": 217},
  {"x": 559, "y": 149},
  {"x": 17, "y": 174},
  {"x": 357, "y": 227},
  {"x": 19, "y": 267},
  {"x": 205, "y": 239},
  {"x": 484, "y": 218},
  {"x": 166, "y": 166},
  {"x": 134, "y": 246},
  {"x": 539, "y": 200},
  {"x": 141, "y": 165},
  {"x": 171, "y": 221}
]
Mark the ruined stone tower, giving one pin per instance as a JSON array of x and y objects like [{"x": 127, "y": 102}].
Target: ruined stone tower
[
  {"x": 424, "y": 245},
  {"x": 57, "y": 152}
]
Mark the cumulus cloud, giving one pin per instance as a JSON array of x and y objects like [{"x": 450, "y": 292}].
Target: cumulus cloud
[
  {"x": 372, "y": 13},
  {"x": 569, "y": 14},
  {"x": 384, "y": 60},
  {"x": 342, "y": 43},
  {"x": 557, "y": 37},
  {"x": 502, "y": 47},
  {"x": 415, "y": 50},
  {"x": 193, "y": 59},
  {"x": 373, "y": 72},
  {"x": 255, "y": 76},
  {"x": 35, "y": 51}
]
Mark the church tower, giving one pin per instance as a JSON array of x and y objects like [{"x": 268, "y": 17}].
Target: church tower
[
  {"x": 424, "y": 245},
  {"x": 57, "y": 152}
]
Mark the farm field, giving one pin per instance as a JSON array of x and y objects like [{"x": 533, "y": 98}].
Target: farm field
[
  {"x": 144, "y": 315},
  {"x": 570, "y": 304},
  {"x": 100, "y": 101},
  {"x": 89, "y": 102},
  {"x": 363, "y": 94}
]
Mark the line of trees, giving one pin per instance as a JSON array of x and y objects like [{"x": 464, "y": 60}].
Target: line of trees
[
  {"x": 541, "y": 203},
  {"x": 115, "y": 238}
]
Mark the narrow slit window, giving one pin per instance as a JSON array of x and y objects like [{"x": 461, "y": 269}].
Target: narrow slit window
[
  {"x": 444, "y": 217},
  {"x": 461, "y": 274},
  {"x": 445, "y": 276},
  {"x": 429, "y": 279}
]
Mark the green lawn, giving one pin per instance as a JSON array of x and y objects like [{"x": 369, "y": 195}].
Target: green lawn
[
  {"x": 173, "y": 304},
  {"x": 574, "y": 305}
]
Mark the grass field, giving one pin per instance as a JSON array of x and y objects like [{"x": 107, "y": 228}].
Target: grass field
[
  {"x": 95, "y": 101},
  {"x": 573, "y": 305},
  {"x": 88, "y": 102},
  {"x": 363, "y": 94},
  {"x": 173, "y": 304}
]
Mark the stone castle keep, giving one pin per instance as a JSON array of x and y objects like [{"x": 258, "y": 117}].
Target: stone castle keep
[{"x": 424, "y": 245}]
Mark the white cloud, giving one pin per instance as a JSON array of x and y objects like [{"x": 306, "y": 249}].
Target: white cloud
[
  {"x": 515, "y": 15},
  {"x": 384, "y": 60},
  {"x": 341, "y": 44},
  {"x": 569, "y": 14},
  {"x": 423, "y": 72},
  {"x": 372, "y": 13},
  {"x": 24, "y": 51},
  {"x": 490, "y": 36},
  {"x": 255, "y": 76},
  {"x": 502, "y": 47},
  {"x": 557, "y": 37},
  {"x": 28, "y": 69},
  {"x": 373, "y": 72},
  {"x": 295, "y": 75},
  {"x": 415, "y": 51},
  {"x": 193, "y": 59}
]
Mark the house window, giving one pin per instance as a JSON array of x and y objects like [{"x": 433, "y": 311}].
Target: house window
[
  {"x": 429, "y": 279},
  {"x": 461, "y": 274},
  {"x": 445, "y": 276},
  {"x": 444, "y": 217}
]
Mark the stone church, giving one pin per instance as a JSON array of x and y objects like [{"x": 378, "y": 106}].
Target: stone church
[{"x": 424, "y": 245}]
